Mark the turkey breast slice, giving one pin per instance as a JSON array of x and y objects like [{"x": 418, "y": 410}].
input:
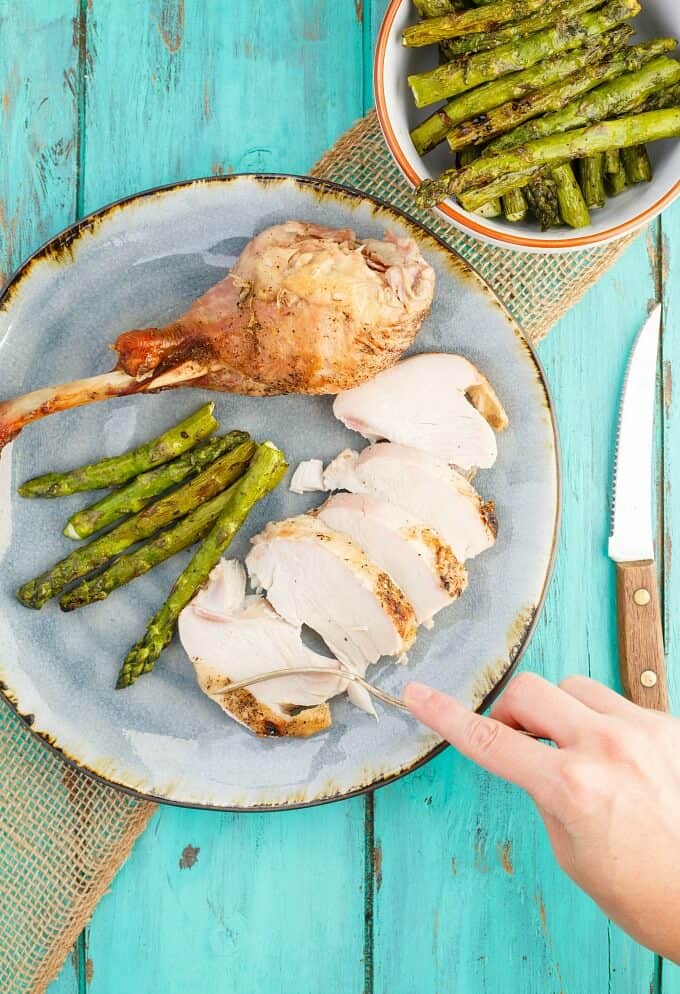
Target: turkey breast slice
[
  {"x": 416, "y": 558},
  {"x": 318, "y": 577},
  {"x": 436, "y": 402},
  {"x": 253, "y": 639},
  {"x": 307, "y": 478},
  {"x": 428, "y": 489}
]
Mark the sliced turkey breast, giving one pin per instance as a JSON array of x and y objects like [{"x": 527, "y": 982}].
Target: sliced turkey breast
[
  {"x": 436, "y": 402},
  {"x": 226, "y": 648},
  {"x": 318, "y": 577},
  {"x": 426, "y": 488},
  {"x": 416, "y": 558},
  {"x": 307, "y": 478}
]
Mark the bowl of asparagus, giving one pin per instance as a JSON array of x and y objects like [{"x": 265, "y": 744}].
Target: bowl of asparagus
[{"x": 539, "y": 125}]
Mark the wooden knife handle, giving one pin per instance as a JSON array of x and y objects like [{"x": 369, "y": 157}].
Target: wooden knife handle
[{"x": 641, "y": 651}]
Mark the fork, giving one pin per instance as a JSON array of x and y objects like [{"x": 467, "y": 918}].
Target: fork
[{"x": 349, "y": 675}]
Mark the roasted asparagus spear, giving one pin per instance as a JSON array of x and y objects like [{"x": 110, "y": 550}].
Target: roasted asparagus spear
[
  {"x": 626, "y": 87},
  {"x": 154, "y": 552},
  {"x": 541, "y": 195},
  {"x": 119, "y": 469},
  {"x": 591, "y": 180},
  {"x": 620, "y": 95},
  {"x": 90, "y": 557},
  {"x": 515, "y": 166},
  {"x": 265, "y": 472},
  {"x": 636, "y": 164},
  {"x": 573, "y": 208},
  {"x": 457, "y": 77},
  {"x": 470, "y": 22},
  {"x": 144, "y": 488},
  {"x": 430, "y": 132},
  {"x": 484, "y": 42},
  {"x": 615, "y": 181}
]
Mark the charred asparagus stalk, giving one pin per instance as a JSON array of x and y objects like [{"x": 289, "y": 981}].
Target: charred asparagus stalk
[
  {"x": 144, "y": 488},
  {"x": 118, "y": 470},
  {"x": 541, "y": 194},
  {"x": 636, "y": 164},
  {"x": 615, "y": 181},
  {"x": 553, "y": 150},
  {"x": 663, "y": 99},
  {"x": 138, "y": 562},
  {"x": 474, "y": 199},
  {"x": 515, "y": 206},
  {"x": 484, "y": 42},
  {"x": 267, "y": 468},
  {"x": 433, "y": 130},
  {"x": 620, "y": 95},
  {"x": 469, "y": 22},
  {"x": 612, "y": 161},
  {"x": 435, "y": 8},
  {"x": 457, "y": 77},
  {"x": 493, "y": 208},
  {"x": 591, "y": 177},
  {"x": 562, "y": 95},
  {"x": 573, "y": 208},
  {"x": 97, "y": 553}
]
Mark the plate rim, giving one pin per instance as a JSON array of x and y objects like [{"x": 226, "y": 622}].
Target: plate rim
[{"x": 62, "y": 240}]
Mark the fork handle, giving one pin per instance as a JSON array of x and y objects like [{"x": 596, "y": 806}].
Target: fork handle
[{"x": 641, "y": 651}]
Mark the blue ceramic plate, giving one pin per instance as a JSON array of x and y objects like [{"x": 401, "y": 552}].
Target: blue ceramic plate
[{"x": 141, "y": 262}]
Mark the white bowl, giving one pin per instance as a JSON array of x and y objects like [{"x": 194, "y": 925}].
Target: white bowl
[{"x": 398, "y": 115}]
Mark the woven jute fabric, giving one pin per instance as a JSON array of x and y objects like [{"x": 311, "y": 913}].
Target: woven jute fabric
[
  {"x": 537, "y": 289},
  {"x": 64, "y": 835}
]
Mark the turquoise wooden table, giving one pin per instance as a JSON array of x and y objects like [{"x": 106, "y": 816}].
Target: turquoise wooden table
[{"x": 443, "y": 882}]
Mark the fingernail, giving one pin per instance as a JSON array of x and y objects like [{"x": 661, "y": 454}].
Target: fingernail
[{"x": 417, "y": 693}]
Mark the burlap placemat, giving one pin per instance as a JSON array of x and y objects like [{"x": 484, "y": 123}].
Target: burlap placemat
[
  {"x": 537, "y": 289},
  {"x": 62, "y": 838},
  {"x": 63, "y": 835}
]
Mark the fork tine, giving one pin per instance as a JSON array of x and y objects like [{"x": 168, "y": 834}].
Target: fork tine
[
  {"x": 348, "y": 675},
  {"x": 344, "y": 674}
]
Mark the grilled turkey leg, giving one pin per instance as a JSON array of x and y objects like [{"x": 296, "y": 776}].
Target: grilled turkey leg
[{"x": 305, "y": 310}]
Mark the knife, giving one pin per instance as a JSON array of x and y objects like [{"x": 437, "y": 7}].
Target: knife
[{"x": 631, "y": 544}]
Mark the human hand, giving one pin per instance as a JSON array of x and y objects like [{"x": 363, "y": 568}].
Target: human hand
[{"x": 609, "y": 794}]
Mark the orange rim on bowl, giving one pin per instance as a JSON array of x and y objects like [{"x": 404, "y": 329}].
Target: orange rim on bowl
[{"x": 465, "y": 220}]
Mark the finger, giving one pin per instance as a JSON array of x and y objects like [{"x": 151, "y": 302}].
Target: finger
[
  {"x": 596, "y": 696},
  {"x": 532, "y": 703},
  {"x": 491, "y": 744}
]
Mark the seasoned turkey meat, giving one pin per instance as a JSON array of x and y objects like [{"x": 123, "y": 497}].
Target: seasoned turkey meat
[{"x": 306, "y": 309}]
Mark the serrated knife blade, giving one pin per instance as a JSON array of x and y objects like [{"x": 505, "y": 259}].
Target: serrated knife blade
[
  {"x": 632, "y": 535},
  {"x": 631, "y": 544}
]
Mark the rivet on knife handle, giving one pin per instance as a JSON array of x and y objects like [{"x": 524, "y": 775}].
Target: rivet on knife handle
[{"x": 641, "y": 651}]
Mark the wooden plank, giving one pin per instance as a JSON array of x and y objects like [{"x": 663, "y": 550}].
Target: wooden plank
[
  {"x": 38, "y": 117},
  {"x": 468, "y": 897},
  {"x": 236, "y": 903},
  {"x": 67, "y": 981},
  {"x": 668, "y": 249},
  {"x": 39, "y": 103},
  {"x": 179, "y": 89},
  {"x": 373, "y": 12},
  {"x": 224, "y": 902}
]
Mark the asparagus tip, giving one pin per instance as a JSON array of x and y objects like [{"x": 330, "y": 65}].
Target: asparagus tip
[
  {"x": 27, "y": 596},
  {"x": 127, "y": 675}
]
